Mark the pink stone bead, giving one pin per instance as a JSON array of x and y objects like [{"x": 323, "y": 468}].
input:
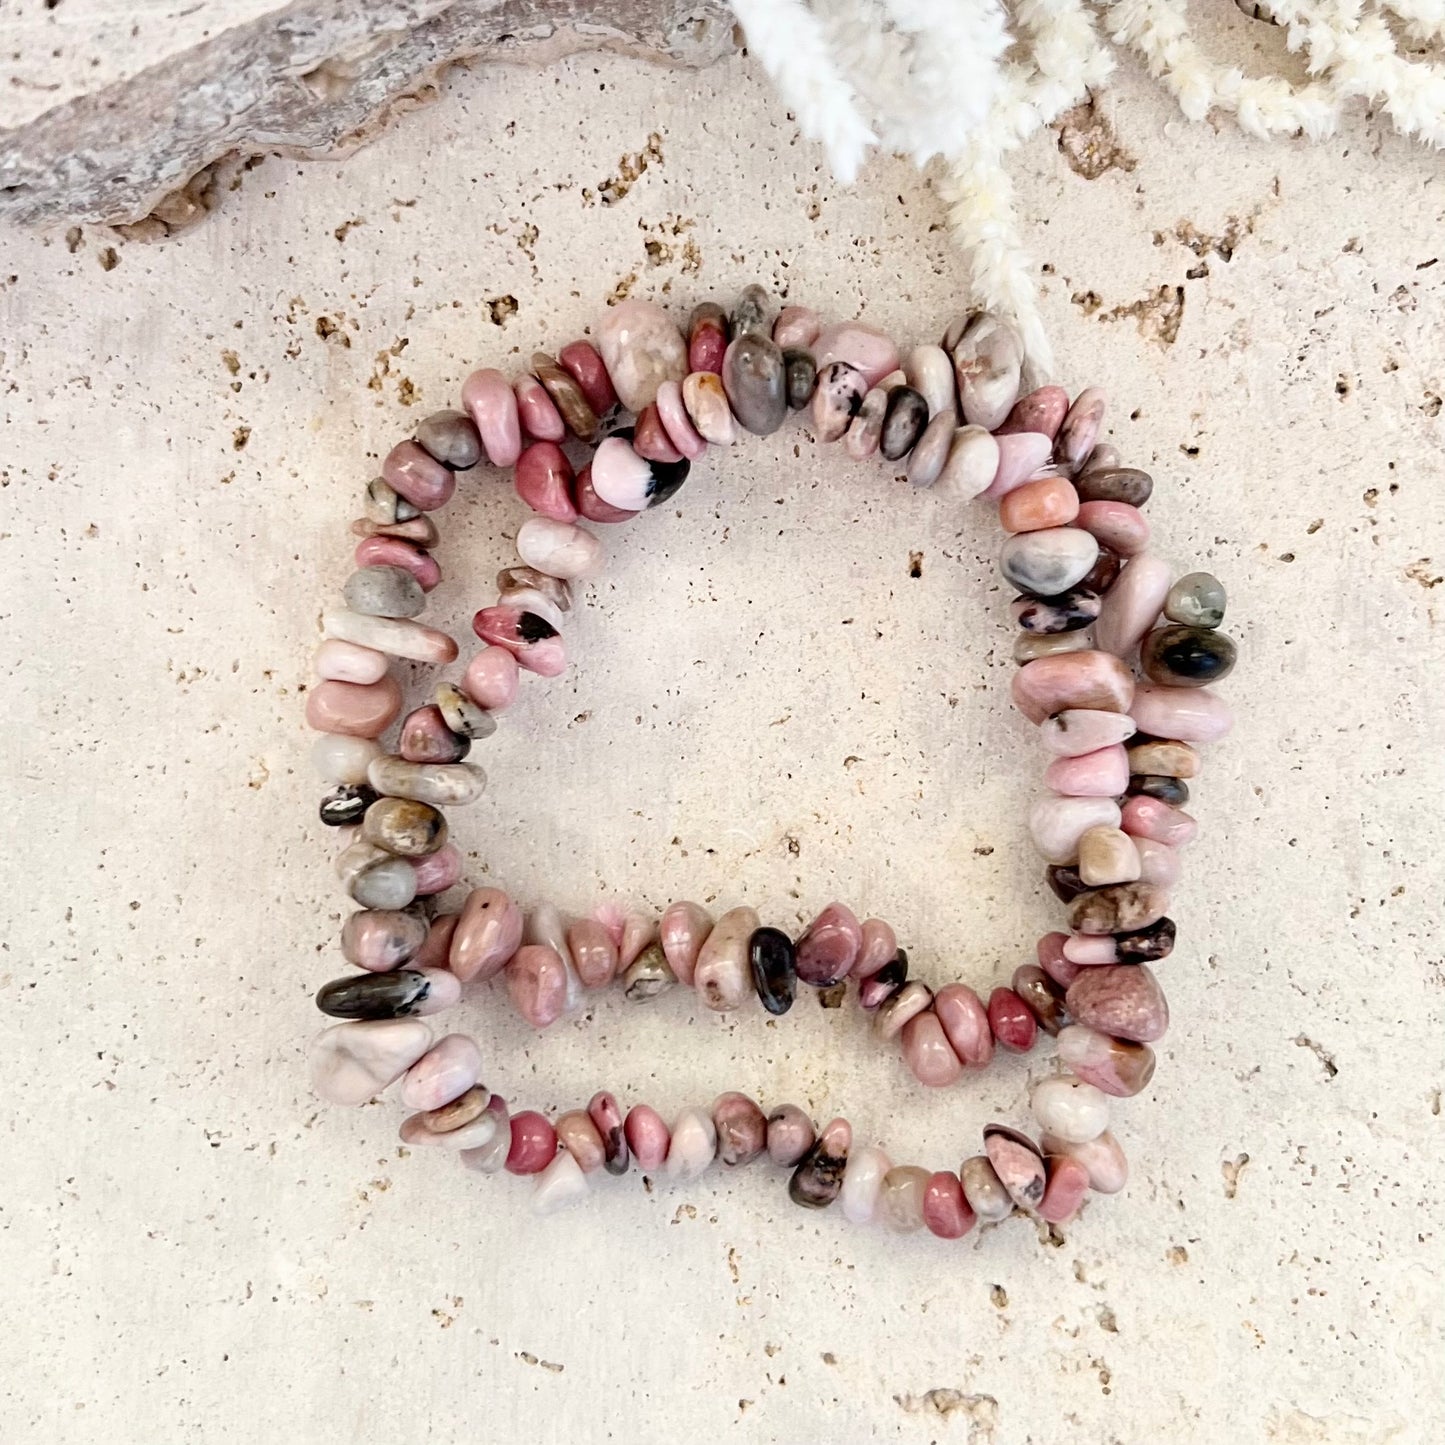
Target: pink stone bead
[
  {"x": 642, "y": 348},
  {"x": 488, "y": 398},
  {"x": 1017, "y": 1162},
  {"x": 579, "y": 1136},
  {"x": 796, "y": 326},
  {"x": 591, "y": 506},
  {"x": 1040, "y": 411},
  {"x": 1080, "y": 429},
  {"x": 438, "y": 871},
  {"x": 1101, "y": 774},
  {"x": 1033, "y": 506},
  {"x": 1131, "y": 605},
  {"x": 1123, "y": 1000},
  {"x": 1080, "y": 730},
  {"x": 829, "y": 948},
  {"x": 536, "y": 411},
  {"x": 790, "y": 1135},
  {"x": 1056, "y": 824},
  {"x": 680, "y": 431},
  {"x": 1063, "y": 1194},
  {"x": 1090, "y": 948},
  {"x": 638, "y": 932},
  {"x": 544, "y": 481},
  {"x": 444, "y": 991},
  {"x": 1149, "y": 818},
  {"x": 445, "y": 1072},
  {"x": 338, "y": 661},
  {"x": 1122, "y": 528},
  {"x": 965, "y": 1024},
  {"x": 870, "y": 350},
  {"x": 650, "y": 438},
  {"x": 1102, "y": 1158},
  {"x": 534, "y": 1143},
  {"x": 707, "y": 345},
  {"x": 741, "y": 1128},
  {"x": 594, "y": 955},
  {"x": 648, "y": 1136},
  {"x": 607, "y": 1120},
  {"x": 488, "y": 933},
  {"x": 1158, "y": 863},
  {"x": 381, "y": 939},
  {"x": 579, "y": 359},
  {"x": 1053, "y": 960},
  {"x": 878, "y": 946},
  {"x": 435, "y": 951},
  {"x": 1020, "y": 455},
  {"x": 945, "y": 1211},
  {"x": 426, "y": 738},
  {"x": 1093, "y": 681},
  {"x": 412, "y": 472},
  {"x": 928, "y": 1053},
  {"x": 491, "y": 678},
  {"x": 537, "y": 984},
  {"x": 682, "y": 932},
  {"x": 1114, "y": 1066},
  {"x": 546, "y": 656},
  {"x": 395, "y": 552},
  {"x": 354, "y": 709},
  {"x": 1011, "y": 1020},
  {"x": 1190, "y": 715}
]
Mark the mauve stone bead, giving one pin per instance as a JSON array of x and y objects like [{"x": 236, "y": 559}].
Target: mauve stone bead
[
  {"x": 421, "y": 530},
  {"x": 1118, "y": 908},
  {"x": 1092, "y": 681},
  {"x": 1100, "y": 774},
  {"x": 338, "y": 661},
  {"x": 650, "y": 439},
  {"x": 647, "y": 1136},
  {"x": 452, "y": 438},
  {"x": 1017, "y": 1161},
  {"x": 353, "y": 709},
  {"x": 988, "y": 362},
  {"x": 581, "y": 1139},
  {"x": 1158, "y": 863},
  {"x": 352, "y": 1062},
  {"x": 928, "y": 1053},
  {"x": 438, "y": 871},
  {"x": 875, "y": 990},
  {"x": 579, "y": 359},
  {"x": 1067, "y": 1185},
  {"x": 1037, "y": 505},
  {"x": 534, "y": 1143},
  {"x": 723, "y": 975},
  {"x": 945, "y": 1210},
  {"x": 796, "y": 326},
  {"x": 682, "y": 932},
  {"x": 1070, "y": 1108},
  {"x": 491, "y": 678},
  {"x": 1103, "y": 572},
  {"x": 878, "y": 944},
  {"x": 426, "y": 738},
  {"x": 929, "y": 371},
  {"x": 836, "y": 400},
  {"x": 1146, "y": 945},
  {"x": 1115, "y": 484},
  {"x": 446, "y": 1071},
  {"x": 404, "y": 826},
  {"x": 380, "y": 939},
  {"x": 1131, "y": 605},
  {"x": 395, "y": 636},
  {"x": 1057, "y": 824},
  {"x": 862, "y": 1183},
  {"x": 1080, "y": 429},
  {"x": 544, "y": 481},
  {"x": 591, "y": 506},
  {"x": 970, "y": 467},
  {"x": 1115, "y": 1066},
  {"x": 465, "y": 1122},
  {"x": 707, "y": 337},
  {"x": 594, "y": 955},
  {"x": 904, "y": 419},
  {"x": 1192, "y": 715},
  {"x": 1042, "y": 411},
  {"x": 742, "y": 1129},
  {"x": 1087, "y": 949},
  {"x": 435, "y": 950},
  {"x": 1103, "y": 456},
  {"x": 413, "y": 473},
  {"x": 1102, "y": 1158},
  {"x": 1021, "y": 455},
  {"x": 390, "y": 995},
  {"x": 692, "y": 1145},
  {"x": 488, "y": 933},
  {"x": 1076, "y": 731},
  {"x": 790, "y": 1135},
  {"x": 1012, "y": 1021},
  {"x": 606, "y": 1118},
  {"x": 900, "y": 1201},
  {"x": 641, "y": 348},
  {"x": 755, "y": 383},
  {"x": 539, "y": 418},
  {"x": 818, "y": 1179},
  {"x": 983, "y": 1190},
  {"x": 930, "y": 452},
  {"x": 1123, "y": 529},
  {"x": 531, "y": 639},
  {"x": 1043, "y": 997},
  {"x": 895, "y": 1011},
  {"x": 965, "y": 1024},
  {"x": 491, "y": 403},
  {"x": 1054, "y": 961},
  {"x": 829, "y": 948},
  {"x": 537, "y": 984},
  {"x": 1048, "y": 562},
  {"x": 569, "y": 398},
  {"x": 870, "y": 350},
  {"x": 394, "y": 552},
  {"x": 752, "y": 312},
  {"x": 1122, "y": 999},
  {"x": 686, "y": 440},
  {"x": 865, "y": 431},
  {"x": 1149, "y": 818},
  {"x": 773, "y": 962}
]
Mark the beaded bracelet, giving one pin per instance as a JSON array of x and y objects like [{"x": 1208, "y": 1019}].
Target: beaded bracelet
[{"x": 1109, "y": 826}]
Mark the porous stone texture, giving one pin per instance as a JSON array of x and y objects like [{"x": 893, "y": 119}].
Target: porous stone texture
[{"x": 790, "y": 686}]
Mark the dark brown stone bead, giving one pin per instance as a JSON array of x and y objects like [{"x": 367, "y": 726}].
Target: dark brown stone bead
[
  {"x": 1115, "y": 484},
  {"x": 1176, "y": 656},
  {"x": 374, "y": 995},
  {"x": 903, "y": 422},
  {"x": 1146, "y": 945},
  {"x": 1045, "y": 999},
  {"x": 1064, "y": 882},
  {"x": 1174, "y": 791}
]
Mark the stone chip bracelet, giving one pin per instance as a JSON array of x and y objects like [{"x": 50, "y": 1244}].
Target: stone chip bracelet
[{"x": 646, "y": 403}]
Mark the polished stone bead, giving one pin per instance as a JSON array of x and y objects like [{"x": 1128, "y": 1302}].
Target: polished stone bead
[
  {"x": 534, "y": 1143},
  {"x": 580, "y": 1138},
  {"x": 879, "y": 987},
  {"x": 412, "y": 472},
  {"x": 1021, "y": 456},
  {"x": 1103, "y": 456},
  {"x": 904, "y": 419},
  {"x": 538, "y": 416},
  {"x": 1070, "y": 1108},
  {"x": 929, "y": 371},
  {"x": 707, "y": 337},
  {"x": 1094, "y": 681},
  {"x": 543, "y": 481},
  {"x": 641, "y": 348},
  {"x": 1178, "y": 656},
  {"x": 930, "y": 453},
  {"x": 686, "y": 440},
  {"x": 790, "y": 1135},
  {"x": 1115, "y": 484},
  {"x": 461, "y": 715},
  {"x": 383, "y": 504},
  {"x": 395, "y": 636},
  {"x": 1158, "y": 863},
  {"x": 491, "y": 403},
  {"x": 829, "y": 947},
  {"x": 945, "y": 1210},
  {"x": 1173, "y": 791},
  {"x": 723, "y": 976},
  {"x": 1017, "y": 1161},
  {"x": 1055, "y": 961},
  {"x": 895, "y": 1011},
  {"x": 419, "y": 530},
  {"x": 466, "y": 1122},
  {"x": 1013, "y": 1023},
  {"x": 1146, "y": 945},
  {"x": 1056, "y": 824},
  {"x": 1101, "y": 774},
  {"x": 1042, "y": 410},
  {"x": 741, "y": 1129},
  {"x": 647, "y": 1136},
  {"x": 337, "y": 661},
  {"x": 1119, "y": 908},
  {"x": 487, "y": 934},
  {"x": 1102, "y": 1159},
  {"x": 1067, "y": 612},
  {"x": 579, "y": 359},
  {"x": 382, "y": 939},
  {"x": 818, "y": 1179},
  {"x": 1123, "y": 529},
  {"x": 879, "y": 945},
  {"x": 353, "y": 709},
  {"x": 872, "y": 351},
  {"x": 567, "y": 396},
  {"x": 606, "y": 1118},
  {"x": 800, "y": 377},
  {"x": 1115, "y": 1066},
  {"x": 707, "y": 408},
  {"x": 752, "y": 312},
  {"x": 1042, "y": 996},
  {"x": 1048, "y": 562},
  {"x": 445, "y": 1072},
  {"x": 346, "y": 805},
  {"x": 630, "y": 482},
  {"x": 865, "y": 431},
  {"x": 1075, "y": 731},
  {"x": 1107, "y": 855},
  {"x": 965, "y": 1024},
  {"x": 772, "y": 960},
  {"x": 594, "y": 954},
  {"x": 558, "y": 549},
  {"x": 436, "y": 872},
  {"x": 491, "y": 1157},
  {"x": 394, "y": 552},
  {"x": 1104, "y": 572},
  {"x": 755, "y": 382},
  {"x": 1064, "y": 881},
  {"x": 862, "y": 1183},
  {"x": 647, "y": 975},
  {"x": 1191, "y": 715},
  {"x": 983, "y": 1190},
  {"x": 900, "y": 1200},
  {"x": 1090, "y": 948},
  {"x": 1196, "y": 600},
  {"x": 353, "y": 1062},
  {"x": 988, "y": 363},
  {"x": 426, "y": 738},
  {"x": 1067, "y": 1185},
  {"x": 1122, "y": 999},
  {"x": 1131, "y": 604},
  {"x": 927, "y": 1052},
  {"x": 1146, "y": 817},
  {"x": 531, "y": 639},
  {"x": 1080, "y": 430},
  {"x": 682, "y": 931},
  {"x": 375, "y": 878},
  {"x": 1030, "y": 646},
  {"x": 538, "y": 984},
  {"x": 797, "y": 326},
  {"x": 390, "y": 995},
  {"x": 837, "y": 399},
  {"x": 971, "y": 465},
  {"x": 452, "y": 438},
  {"x": 405, "y": 827},
  {"x": 1163, "y": 757},
  {"x": 692, "y": 1145},
  {"x": 650, "y": 438}
]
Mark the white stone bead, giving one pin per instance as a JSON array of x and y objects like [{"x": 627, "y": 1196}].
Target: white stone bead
[
  {"x": 1056, "y": 824},
  {"x": 339, "y": 759},
  {"x": 560, "y": 549},
  {"x": 863, "y": 1181},
  {"x": 346, "y": 662},
  {"x": 1070, "y": 1109},
  {"x": 970, "y": 467},
  {"x": 480, "y": 1134},
  {"x": 353, "y": 1062},
  {"x": 693, "y": 1145},
  {"x": 560, "y": 1185},
  {"x": 929, "y": 371},
  {"x": 395, "y": 636}
]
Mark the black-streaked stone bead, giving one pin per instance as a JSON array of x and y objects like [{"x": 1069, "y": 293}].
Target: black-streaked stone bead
[
  {"x": 800, "y": 372},
  {"x": 1067, "y": 612},
  {"x": 903, "y": 422},
  {"x": 1044, "y": 997},
  {"x": 1146, "y": 945},
  {"x": 1197, "y": 600},
  {"x": 878, "y": 988},
  {"x": 346, "y": 805},
  {"x": 752, "y": 312},
  {"x": 1064, "y": 882},
  {"x": 773, "y": 960},
  {"x": 817, "y": 1181},
  {"x": 1115, "y": 484},
  {"x": 1177, "y": 656},
  {"x": 1174, "y": 791},
  {"x": 374, "y": 995}
]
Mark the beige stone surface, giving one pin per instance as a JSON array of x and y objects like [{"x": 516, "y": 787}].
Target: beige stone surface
[{"x": 767, "y": 707}]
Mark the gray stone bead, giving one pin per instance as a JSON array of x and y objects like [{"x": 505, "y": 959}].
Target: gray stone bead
[
  {"x": 988, "y": 362},
  {"x": 461, "y": 714},
  {"x": 801, "y": 376},
  {"x": 753, "y": 378},
  {"x": 384, "y": 592},
  {"x": 1114, "y": 484},
  {"x": 384, "y": 505},
  {"x": 1067, "y": 612},
  {"x": 903, "y": 422},
  {"x": 752, "y": 312},
  {"x": 925, "y": 465},
  {"x": 452, "y": 438},
  {"x": 1049, "y": 561},
  {"x": 1031, "y": 645},
  {"x": 374, "y": 995},
  {"x": 1177, "y": 656},
  {"x": 648, "y": 975},
  {"x": 1197, "y": 600}
]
